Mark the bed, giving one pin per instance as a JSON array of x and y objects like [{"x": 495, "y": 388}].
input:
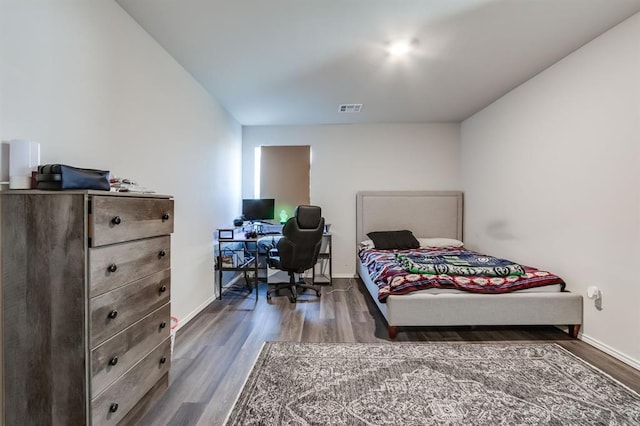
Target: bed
[{"x": 439, "y": 214}]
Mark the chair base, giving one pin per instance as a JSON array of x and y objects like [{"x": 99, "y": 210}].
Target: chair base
[{"x": 293, "y": 287}]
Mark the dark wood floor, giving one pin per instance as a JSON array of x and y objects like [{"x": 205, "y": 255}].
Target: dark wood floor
[{"x": 214, "y": 353}]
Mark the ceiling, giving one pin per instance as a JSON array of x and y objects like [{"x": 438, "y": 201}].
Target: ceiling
[{"x": 290, "y": 62}]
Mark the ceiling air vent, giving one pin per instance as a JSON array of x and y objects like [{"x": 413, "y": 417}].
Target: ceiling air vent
[{"x": 350, "y": 108}]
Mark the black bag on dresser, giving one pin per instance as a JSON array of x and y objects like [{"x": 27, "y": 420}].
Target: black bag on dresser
[{"x": 60, "y": 176}]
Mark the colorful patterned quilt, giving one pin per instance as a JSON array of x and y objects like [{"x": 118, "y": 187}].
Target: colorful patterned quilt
[{"x": 393, "y": 277}]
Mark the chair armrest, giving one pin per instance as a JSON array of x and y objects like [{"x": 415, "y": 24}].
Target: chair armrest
[{"x": 273, "y": 258}]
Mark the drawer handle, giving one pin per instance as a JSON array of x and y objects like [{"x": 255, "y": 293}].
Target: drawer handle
[
  {"x": 162, "y": 253},
  {"x": 163, "y": 288},
  {"x": 113, "y": 267},
  {"x": 113, "y": 314},
  {"x": 113, "y": 407},
  {"x": 163, "y": 324},
  {"x": 116, "y": 220},
  {"x": 114, "y": 360},
  {"x": 163, "y": 360},
  {"x": 166, "y": 216}
]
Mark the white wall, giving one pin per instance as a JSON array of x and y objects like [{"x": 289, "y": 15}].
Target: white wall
[
  {"x": 551, "y": 175},
  {"x": 351, "y": 158},
  {"x": 95, "y": 90}
]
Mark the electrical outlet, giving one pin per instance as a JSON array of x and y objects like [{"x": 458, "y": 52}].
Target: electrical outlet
[{"x": 595, "y": 293}]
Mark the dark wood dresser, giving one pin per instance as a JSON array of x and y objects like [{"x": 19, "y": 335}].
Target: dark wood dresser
[{"x": 86, "y": 285}]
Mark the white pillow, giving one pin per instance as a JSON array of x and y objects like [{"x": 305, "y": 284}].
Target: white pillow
[
  {"x": 439, "y": 242},
  {"x": 366, "y": 244},
  {"x": 424, "y": 242}
]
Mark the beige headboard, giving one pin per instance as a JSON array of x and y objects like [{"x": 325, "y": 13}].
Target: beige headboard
[{"x": 427, "y": 214}]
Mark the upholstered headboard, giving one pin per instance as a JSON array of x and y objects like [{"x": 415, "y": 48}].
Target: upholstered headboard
[{"x": 425, "y": 213}]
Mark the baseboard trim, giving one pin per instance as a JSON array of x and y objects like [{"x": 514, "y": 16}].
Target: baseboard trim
[
  {"x": 184, "y": 321},
  {"x": 610, "y": 351},
  {"x": 344, "y": 276}
]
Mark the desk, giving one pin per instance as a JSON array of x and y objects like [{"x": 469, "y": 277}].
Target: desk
[
  {"x": 319, "y": 273},
  {"x": 241, "y": 254},
  {"x": 237, "y": 254}
]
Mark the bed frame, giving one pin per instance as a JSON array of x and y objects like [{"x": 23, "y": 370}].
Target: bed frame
[{"x": 432, "y": 214}]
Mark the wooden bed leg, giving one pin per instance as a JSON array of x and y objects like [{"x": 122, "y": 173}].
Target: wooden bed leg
[
  {"x": 393, "y": 331},
  {"x": 574, "y": 329}
]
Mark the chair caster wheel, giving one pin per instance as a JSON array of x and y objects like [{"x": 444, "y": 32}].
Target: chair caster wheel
[
  {"x": 268, "y": 296},
  {"x": 318, "y": 293},
  {"x": 292, "y": 300}
]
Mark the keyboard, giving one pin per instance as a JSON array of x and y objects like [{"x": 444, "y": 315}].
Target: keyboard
[{"x": 270, "y": 229}]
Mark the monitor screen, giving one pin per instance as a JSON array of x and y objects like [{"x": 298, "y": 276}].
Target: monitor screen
[{"x": 258, "y": 209}]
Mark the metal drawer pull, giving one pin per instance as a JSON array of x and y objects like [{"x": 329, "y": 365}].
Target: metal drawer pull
[
  {"x": 114, "y": 360},
  {"x": 162, "y": 253},
  {"x": 165, "y": 216},
  {"x": 113, "y": 267},
  {"x": 163, "y": 324},
  {"x": 116, "y": 220},
  {"x": 163, "y": 360},
  {"x": 113, "y": 407},
  {"x": 163, "y": 288},
  {"x": 113, "y": 314}
]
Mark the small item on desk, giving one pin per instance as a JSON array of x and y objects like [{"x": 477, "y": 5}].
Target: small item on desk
[
  {"x": 251, "y": 234},
  {"x": 225, "y": 234},
  {"x": 283, "y": 217}
]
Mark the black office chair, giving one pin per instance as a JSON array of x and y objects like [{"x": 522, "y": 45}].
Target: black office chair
[{"x": 298, "y": 249}]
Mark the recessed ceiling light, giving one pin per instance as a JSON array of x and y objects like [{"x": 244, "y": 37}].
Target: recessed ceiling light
[{"x": 401, "y": 47}]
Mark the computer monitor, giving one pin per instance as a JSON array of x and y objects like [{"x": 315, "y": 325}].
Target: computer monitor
[{"x": 258, "y": 209}]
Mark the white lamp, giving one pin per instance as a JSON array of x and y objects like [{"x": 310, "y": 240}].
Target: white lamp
[{"x": 24, "y": 157}]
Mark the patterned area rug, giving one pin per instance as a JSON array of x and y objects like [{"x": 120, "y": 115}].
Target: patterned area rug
[{"x": 429, "y": 384}]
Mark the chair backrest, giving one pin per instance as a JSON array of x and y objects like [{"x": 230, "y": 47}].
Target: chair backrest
[{"x": 302, "y": 236}]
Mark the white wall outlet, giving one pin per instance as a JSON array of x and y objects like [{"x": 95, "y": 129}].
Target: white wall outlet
[{"x": 595, "y": 293}]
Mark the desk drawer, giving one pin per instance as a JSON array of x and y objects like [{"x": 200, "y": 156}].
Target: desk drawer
[
  {"x": 112, "y": 405},
  {"x": 113, "y": 266},
  {"x": 114, "y": 311},
  {"x": 118, "y": 354},
  {"x": 117, "y": 219}
]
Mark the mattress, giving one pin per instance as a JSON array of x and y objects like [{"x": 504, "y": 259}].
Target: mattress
[
  {"x": 544, "y": 305},
  {"x": 393, "y": 274}
]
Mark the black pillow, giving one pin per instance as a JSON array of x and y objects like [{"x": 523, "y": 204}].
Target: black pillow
[{"x": 388, "y": 240}]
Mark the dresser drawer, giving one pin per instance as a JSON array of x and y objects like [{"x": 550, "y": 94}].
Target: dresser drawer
[
  {"x": 112, "y": 405},
  {"x": 117, "y": 219},
  {"x": 118, "y": 354},
  {"x": 115, "y": 265},
  {"x": 114, "y": 311}
]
